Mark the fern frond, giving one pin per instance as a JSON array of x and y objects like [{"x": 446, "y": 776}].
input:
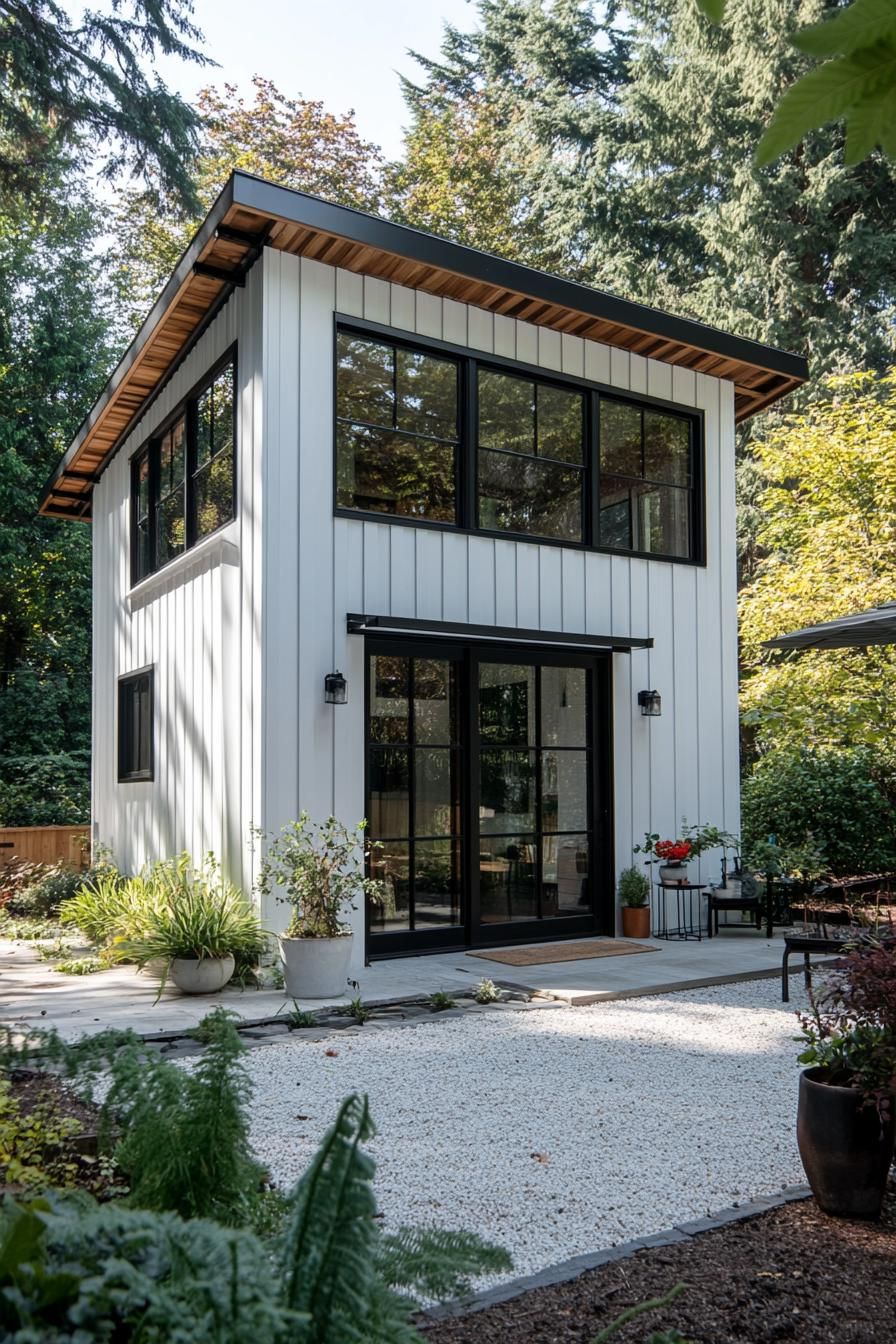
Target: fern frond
[{"x": 433, "y": 1263}]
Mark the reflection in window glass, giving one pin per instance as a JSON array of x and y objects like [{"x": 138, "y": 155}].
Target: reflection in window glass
[
  {"x": 413, "y": 790},
  {"x": 397, "y": 430},
  {"x": 531, "y": 455},
  {"x": 213, "y": 478},
  {"x": 646, "y": 480}
]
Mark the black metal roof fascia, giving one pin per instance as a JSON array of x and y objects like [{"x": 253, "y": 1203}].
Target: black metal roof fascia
[
  {"x": 428, "y": 249},
  {"x": 181, "y": 272},
  {"x": 358, "y": 624}
]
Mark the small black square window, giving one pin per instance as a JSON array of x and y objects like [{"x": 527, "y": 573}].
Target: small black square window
[{"x": 135, "y": 744}]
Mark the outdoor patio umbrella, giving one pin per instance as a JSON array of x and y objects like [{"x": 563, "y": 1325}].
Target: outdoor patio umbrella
[{"x": 877, "y": 626}]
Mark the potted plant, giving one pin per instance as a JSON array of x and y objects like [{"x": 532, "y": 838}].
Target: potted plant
[
  {"x": 847, "y": 1100},
  {"x": 672, "y": 855},
  {"x": 318, "y": 868},
  {"x": 196, "y": 927},
  {"x": 634, "y": 892}
]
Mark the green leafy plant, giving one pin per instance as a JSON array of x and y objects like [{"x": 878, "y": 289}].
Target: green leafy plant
[
  {"x": 850, "y": 1033},
  {"x": 107, "y": 907},
  {"x": 317, "y": 868},
  {"x": 80, "y": 966},
  {"x": 195, "y": 913},
  {"x": 359, "y": 1010},
  {"x": 855, "y": 83},
  {"x": 35, "y": 1144},
  {"x": 51, "y": 951},
  {"x": 633, "y": 888},
  {"x": 828, "y": 796},
  {"x": 43, "y": 898},
  {"x": 28, "y": 930},
  {"x": 299, "y": 1020},
  {"x": 332, "y": 1275},
  {"x": 440, "y": 1000},
  {"x": 486, "y": 991}
]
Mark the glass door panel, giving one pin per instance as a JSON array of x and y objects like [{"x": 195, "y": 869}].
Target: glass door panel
[
  {"x": 533, "y": 764},
  {"x": 413, "y": 808}
]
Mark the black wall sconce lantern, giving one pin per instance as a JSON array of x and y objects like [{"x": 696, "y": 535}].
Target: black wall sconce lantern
[
  {"x": 651, "y": 703},
  {"x": 335, "y": 688}
]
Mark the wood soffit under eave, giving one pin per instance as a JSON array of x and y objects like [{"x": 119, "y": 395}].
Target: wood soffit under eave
[{"x": 755, "y": 387}]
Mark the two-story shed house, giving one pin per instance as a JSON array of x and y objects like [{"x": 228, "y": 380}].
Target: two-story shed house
[{"x": 499, "y": 504}]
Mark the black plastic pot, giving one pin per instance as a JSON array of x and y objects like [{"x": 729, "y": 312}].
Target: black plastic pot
[{"x": 845, "y": 1145}]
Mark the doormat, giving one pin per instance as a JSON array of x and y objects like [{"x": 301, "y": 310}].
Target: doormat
[{"x": 578, "y": 951}]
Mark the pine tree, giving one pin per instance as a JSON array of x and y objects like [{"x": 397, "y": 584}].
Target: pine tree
[
  {"x": 633, "y": 148},
  {"x": 67, "y": 82}
]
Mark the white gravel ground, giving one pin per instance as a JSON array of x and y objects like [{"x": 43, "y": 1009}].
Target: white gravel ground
[{"x": 556, "y": 1132}]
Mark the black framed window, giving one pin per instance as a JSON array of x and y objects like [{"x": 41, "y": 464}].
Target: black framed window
[
  {"x": 183, "y": 481},
  {"x": 396, "y": 429},
  {"x": 414, "y": 769},
  {"x": 531, "y": 456},
  {"x": 135, "y": 726},
  {"x": 646, "y": 479},
  {"x": 431, "y": 434}
]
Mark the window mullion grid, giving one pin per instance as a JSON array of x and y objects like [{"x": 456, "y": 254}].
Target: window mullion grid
[
  {"x": 191, "y": 457},
  {"x": 469, "y": 445},
  {"x": 412, "y": 794},
  {"x": 539, "y": 874}
]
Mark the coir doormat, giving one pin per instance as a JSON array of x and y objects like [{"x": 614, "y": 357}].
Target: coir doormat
[{"x": 578, "y": 951}]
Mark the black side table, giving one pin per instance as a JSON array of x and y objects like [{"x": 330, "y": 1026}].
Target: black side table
[{"x": 688, "y": 910}]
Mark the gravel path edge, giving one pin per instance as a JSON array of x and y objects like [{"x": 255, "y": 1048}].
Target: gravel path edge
[{"x": 568, "y": 1270}]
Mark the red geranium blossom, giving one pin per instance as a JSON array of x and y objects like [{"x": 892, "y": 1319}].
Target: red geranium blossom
[{"x": 673, "y": 850}]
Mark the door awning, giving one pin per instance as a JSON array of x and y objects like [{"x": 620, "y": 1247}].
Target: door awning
[{"x": 493, "y": 634}]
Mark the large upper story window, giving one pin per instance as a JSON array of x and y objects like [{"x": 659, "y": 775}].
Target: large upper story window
[
  {"x": 396, "y": 430},
  {"x": 445, "y": 437},
  {"x": 183, "y": 482},
  {"x": 646, "y": 479},
  {"x": 531, "y": 457}
]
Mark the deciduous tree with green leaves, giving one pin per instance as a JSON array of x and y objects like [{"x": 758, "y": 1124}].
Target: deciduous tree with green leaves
[
  {"x": 295, "y": 142},
  {"x": 829, "y": 540},
  {"x": 856, "y": 83}
]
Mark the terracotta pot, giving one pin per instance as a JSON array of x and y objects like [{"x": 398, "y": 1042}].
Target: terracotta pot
[
  {"x": 845, "y": 1146},
  {"x": 636, "y": 921}
]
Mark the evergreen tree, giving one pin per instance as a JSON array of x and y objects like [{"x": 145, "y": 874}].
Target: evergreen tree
[
  {"x": 53, "y": 358},
  {"x": 292, "y": 141},
  {"x": 633, "y": 146}
]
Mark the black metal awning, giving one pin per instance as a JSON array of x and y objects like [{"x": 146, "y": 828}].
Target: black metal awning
[
  {"x": 494, "y": 634},
  {"x": 877, "y": 626}
]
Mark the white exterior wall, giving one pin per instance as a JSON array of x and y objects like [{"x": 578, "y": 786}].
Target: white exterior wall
[
  {"x": 243, "y": 629},
  {"x": 198, "y": 622},
  {"x": 317, "y": 568}
]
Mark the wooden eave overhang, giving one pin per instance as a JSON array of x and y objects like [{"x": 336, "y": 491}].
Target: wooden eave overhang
[{"x": 251, "y": 214}]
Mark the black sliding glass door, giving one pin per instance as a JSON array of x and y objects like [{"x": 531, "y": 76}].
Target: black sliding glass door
[{"x": 488, "y": 795}]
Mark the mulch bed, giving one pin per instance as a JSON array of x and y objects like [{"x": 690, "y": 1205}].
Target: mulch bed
[{"x": 790, "y": 1274}]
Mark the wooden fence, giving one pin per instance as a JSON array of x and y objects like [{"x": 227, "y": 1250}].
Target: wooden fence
[{"x": 46, "y": 844}]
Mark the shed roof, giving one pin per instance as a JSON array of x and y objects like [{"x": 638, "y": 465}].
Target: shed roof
[{"x": 251, "y": 214}]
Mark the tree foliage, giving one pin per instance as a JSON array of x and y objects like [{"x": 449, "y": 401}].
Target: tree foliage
[
  {"x": 828, "y": 534},
  {"x": 81, "y": 82},
  {"x": 856, "y": 82},
  {"x": 292, "y": 141},
  {"x": 54, "y": 352}
]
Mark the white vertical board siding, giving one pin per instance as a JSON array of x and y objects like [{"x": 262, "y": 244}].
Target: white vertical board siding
[
  {"x": 317, "y": 568},
  {"x": 197, "y": 622}
]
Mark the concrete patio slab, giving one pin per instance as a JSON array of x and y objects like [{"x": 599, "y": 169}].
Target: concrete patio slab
[{"x": 32, "y": 994}]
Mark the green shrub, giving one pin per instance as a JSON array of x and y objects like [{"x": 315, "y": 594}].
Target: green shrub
[
  {"x": 44, "y": 898},
  {"x": 46, "y": 790},
  {"x": 72, "y": 1270},
  {"x": 106, "y": 907},
  {"x": 633, "y": 888},
  {"x": 838, "y": 797},
  {"x": 194, "y": 912}
]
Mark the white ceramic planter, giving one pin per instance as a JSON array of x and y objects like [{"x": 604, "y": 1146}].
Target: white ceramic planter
[
  {"x": 316, "y": 968},
  {"x": 201, "y": 975}
]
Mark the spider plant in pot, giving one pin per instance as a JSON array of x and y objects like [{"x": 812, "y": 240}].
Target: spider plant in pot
[
  {"x": 847, "y": 1100},
  {"x": 634, "y": 891},
  {"x": 318, "y": 869},
  {"x": 199, "y": 927}
]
